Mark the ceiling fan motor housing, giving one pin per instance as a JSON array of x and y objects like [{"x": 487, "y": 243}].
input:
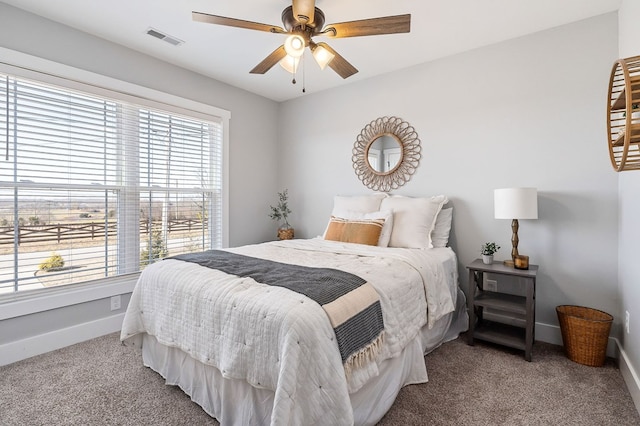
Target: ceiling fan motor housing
[{"x": 291, "y": 24}]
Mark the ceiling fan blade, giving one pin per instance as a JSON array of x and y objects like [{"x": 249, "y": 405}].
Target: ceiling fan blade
[
  {"x": 303, "y": 11},
  {"x": 268, "y": 62},
  {"x": 232, "y": 22},
  {"x": 374, "y": 26},
  {"x": 339, "y": 64}
]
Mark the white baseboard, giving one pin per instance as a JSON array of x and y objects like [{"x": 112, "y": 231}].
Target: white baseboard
[
  {"x": 629, "y": 375},
  {"x": 26, "y": 348},
  {"x": 551, "y": 334}
]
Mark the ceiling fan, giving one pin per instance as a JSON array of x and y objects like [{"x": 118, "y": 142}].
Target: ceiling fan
[{"x": 302, "y": 21}]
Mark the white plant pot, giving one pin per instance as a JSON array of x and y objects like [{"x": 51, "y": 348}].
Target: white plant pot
[{"x": 487, "y": 259}]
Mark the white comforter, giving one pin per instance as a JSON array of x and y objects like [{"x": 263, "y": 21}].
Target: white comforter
[{"x": 280, "y": 340}]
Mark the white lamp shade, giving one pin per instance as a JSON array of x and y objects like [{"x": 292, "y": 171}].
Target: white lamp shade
[
  {"x": 294, "y": 45},
  {"x": 290, "y": 64},
  {"x": 322, "y": 55},
  {"x": 515, "y": 203}
]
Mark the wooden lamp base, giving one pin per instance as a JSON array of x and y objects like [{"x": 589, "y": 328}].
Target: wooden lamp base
[{"x": 514, "y": 244}]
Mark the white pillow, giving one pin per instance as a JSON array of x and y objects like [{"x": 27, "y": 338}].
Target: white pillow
[
  {"x": 343, "y": 204},
  {"x": 387, "y": 228},
  {"x": 442, "y": 228},
  {"x": 413, "y": 219},
  {"x": 385, "y": 234}
]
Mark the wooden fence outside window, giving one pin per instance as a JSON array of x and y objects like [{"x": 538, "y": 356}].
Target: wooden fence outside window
[{"x": 74, "y": 231}]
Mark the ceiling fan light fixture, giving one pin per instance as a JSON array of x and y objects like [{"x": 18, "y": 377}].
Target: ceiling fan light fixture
[
  {"x": 322, "y": 55},
  {"x": 294, "y": 45},
  {"x": 302, "y": 21},
  {"x": 290, "y": 64}
]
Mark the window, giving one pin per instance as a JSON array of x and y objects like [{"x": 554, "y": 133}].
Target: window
[{"x": 92, "y": 187}]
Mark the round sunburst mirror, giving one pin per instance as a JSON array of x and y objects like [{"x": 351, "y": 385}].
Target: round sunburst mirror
[{"x": 386, "y": 154}]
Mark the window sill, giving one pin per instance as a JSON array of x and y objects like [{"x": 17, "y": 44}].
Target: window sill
[{"x": 32, "y": 301}]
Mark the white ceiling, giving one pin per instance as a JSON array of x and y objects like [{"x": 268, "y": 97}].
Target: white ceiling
[{"x": 438, "y": 28}]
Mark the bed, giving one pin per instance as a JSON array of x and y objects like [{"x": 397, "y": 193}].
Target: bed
[{"x": 253, "y": 353}]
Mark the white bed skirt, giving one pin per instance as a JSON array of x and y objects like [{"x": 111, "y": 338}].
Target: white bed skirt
[{"x": 235, "y": 402}]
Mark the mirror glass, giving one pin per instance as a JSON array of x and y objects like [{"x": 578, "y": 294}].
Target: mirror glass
[{"x": 384, "y": 153}]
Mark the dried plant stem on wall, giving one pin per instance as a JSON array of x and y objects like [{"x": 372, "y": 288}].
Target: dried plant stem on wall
[
  {"x": 623, "y": 114},
  {"x": 393, "y": 174}
]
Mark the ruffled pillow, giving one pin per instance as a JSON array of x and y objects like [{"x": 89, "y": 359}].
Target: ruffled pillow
[
  {"x": 413, "y": 219},
  {"x": 442, "y": 228}
]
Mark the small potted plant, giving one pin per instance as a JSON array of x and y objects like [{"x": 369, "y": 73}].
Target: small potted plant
[
  {"x": 487, "y": 251},
  {"x": 280, "y": 213}
]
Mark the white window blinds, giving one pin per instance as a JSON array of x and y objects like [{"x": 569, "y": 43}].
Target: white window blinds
[{"x": 92, "y": 188}]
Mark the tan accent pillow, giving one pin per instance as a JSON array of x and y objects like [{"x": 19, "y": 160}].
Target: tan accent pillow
[{"x": 358, "y": 231}]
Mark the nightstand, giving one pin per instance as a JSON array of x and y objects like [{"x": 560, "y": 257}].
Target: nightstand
[{"x": 516, "y": 329}]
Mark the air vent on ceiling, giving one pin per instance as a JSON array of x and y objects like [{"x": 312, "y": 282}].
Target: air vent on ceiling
[{"x": 164, "y": 37}]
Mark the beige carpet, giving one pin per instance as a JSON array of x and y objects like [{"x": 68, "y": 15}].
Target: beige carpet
[{"x": 101, "y": 382}]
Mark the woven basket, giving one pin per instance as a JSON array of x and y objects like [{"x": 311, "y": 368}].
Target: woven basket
[
  {"x": 285, "y": 233},
  {"x": 585, "y": 333}
]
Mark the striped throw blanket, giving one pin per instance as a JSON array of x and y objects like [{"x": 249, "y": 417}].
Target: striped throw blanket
[{"x": 351, "y": 304}]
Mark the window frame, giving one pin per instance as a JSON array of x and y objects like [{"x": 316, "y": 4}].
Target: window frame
[{"x": 30, "y": 67}]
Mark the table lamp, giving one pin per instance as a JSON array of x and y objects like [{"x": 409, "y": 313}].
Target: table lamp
[{"x": 514, "y": 204}]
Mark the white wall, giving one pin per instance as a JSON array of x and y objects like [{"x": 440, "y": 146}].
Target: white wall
[
  {"x": 526, "y": 112},
  {"x": 629, "y": 231}
]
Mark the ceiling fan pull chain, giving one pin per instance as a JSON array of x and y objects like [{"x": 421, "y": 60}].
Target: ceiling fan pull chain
[
  {"x": 293, "y": 74},
  {"x": 304, "y": 67}
]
